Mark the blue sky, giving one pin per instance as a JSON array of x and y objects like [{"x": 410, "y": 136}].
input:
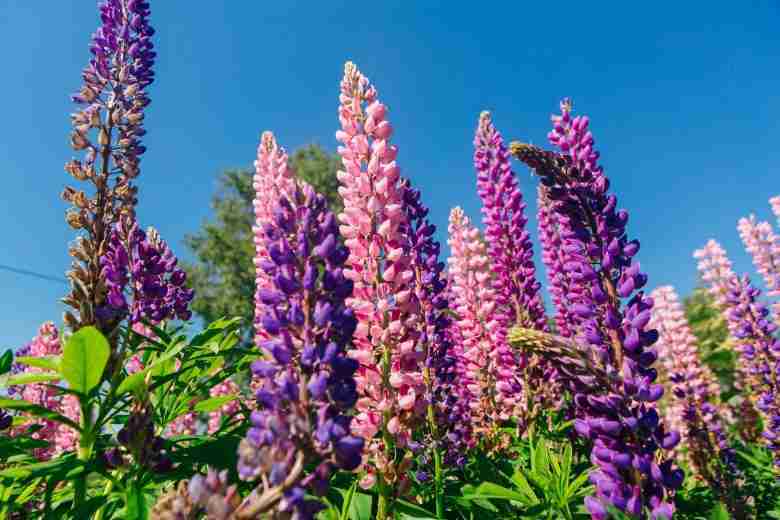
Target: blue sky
[{"x": 684, "y": 103}]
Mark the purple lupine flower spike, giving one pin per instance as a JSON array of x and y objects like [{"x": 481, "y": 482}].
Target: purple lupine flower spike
[
  {"x": 430, "y": 289},
  {"x": 620, "y": 417},
  {"x": 753, "y": 329},
  {"x": 107, "y": 129},
  {"x": 306, "y": 384},
  {"x": 140, "y": 264},
  {"x": 693, "y": 407}
]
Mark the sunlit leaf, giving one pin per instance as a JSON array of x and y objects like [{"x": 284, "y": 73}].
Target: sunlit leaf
[{"x": 84, "y": 358}]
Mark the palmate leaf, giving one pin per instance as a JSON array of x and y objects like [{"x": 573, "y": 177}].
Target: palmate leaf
[{"x": 37, "y": 411}]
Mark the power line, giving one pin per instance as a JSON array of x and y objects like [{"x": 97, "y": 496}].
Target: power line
[{"x": 33, "y": 274}]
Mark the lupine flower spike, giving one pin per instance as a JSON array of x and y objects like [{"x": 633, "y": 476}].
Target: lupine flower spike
[
  {"x": 693, "y": 408},
  {"x": 273, "y": 179},
  {"x": 511, "y": 253},
  {"x": 715, "y": 270},
  {"x": 306, "y": 384},
  {"x": 390, "y": 378},
  {"x": 774, "y": 202},
  {"x": 108, "y": 130},
  {"x": 482, "y": 382},
  {"x": 759, "y": 350},
  {"x": 764, "y": 246},
  {"x": 620, "y": 419}
]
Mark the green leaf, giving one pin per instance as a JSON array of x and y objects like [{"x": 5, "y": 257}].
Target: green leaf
[
  {"x": 488, "y": 490},
  {"x": 412, "y": 511},
  {"x": 719, "y": 512},
  {"x": 213, "y": 403},
  {"x": 37, "y": 411},
  {"x": 84, "y": 359},
  {"x": 136, "y": 508},
  {"x": 566, "y": 463},
  {"x": 23, "y": 378},
  {"x": 348, "y": 494},
  {"x": 360, "y": 507},
  {"x": 524, "y": 487},
  {"x": 45, "y": 362},
  {"x": 132, "y": 382},
  {"x": 6, "y": 360},
  {"x": 540, "y": 464}
]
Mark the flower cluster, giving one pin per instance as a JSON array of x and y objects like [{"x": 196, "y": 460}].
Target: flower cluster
[
  {"x": 693, "y": 408},
  {"x": 621, "y": 420},
  {"x": 764, "y": 246},
  {"x": 446, "y": 412},
  {"x": 273, "y": 178},
  {"x": 143, "y": 265},
  {"x": 484, "y": 383},
  {"x": 138, "y": 439},
  {"x": 760, "y": 351},
  {"x": 775, "y": 203},
  {"x": 552, "y": 228},
  {"x": 306, "y": 382},
  {"x": 60, "y": 437},
  {"x": 715, "y": 269},
  {"x": 518, "y": 299},
  {"x": 390, "y": 377},
  {"x": 107, "y": 128}
]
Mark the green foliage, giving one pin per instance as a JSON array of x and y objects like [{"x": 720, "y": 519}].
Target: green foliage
[
  {"x": 223, "y": 273},
  {"x": 709, "y": 326},
  {"x": 84, "y": 358},
  {"x": 178, "y": 375}
]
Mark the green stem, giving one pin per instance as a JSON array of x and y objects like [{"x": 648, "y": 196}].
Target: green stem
[
  {"x": 437, "y": 475},
  {"x": 437, "y": 479},
  {"x": 84, "y": 453}
]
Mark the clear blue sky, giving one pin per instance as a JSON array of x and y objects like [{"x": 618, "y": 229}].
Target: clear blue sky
[{"x": 684, "y": 99}]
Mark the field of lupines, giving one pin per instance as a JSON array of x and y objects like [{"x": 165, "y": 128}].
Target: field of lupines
[{"x": 384, "y": 381}]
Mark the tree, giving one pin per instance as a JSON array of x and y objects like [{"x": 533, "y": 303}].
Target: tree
[{"x": 223, "y": 273}]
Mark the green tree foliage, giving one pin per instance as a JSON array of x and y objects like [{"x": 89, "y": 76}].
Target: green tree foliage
[
  {"x": 223, "y": 273},
  {"x": 709, "y": 327}
]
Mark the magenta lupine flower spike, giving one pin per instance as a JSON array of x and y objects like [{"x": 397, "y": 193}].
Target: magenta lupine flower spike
[
  {"x": 621, "y": 420},
  {"x": 759, "y": 349},
  {"x": 509, "y": 244},
  {"x": 487, "y": 381},
  {"x": 693, "y": 408},
  {"x": 390, "y": 380},
  {"x": 273, "y": 179},
  {"x": 519, "y": 301},
  {"x": 764, "y": 246}
]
